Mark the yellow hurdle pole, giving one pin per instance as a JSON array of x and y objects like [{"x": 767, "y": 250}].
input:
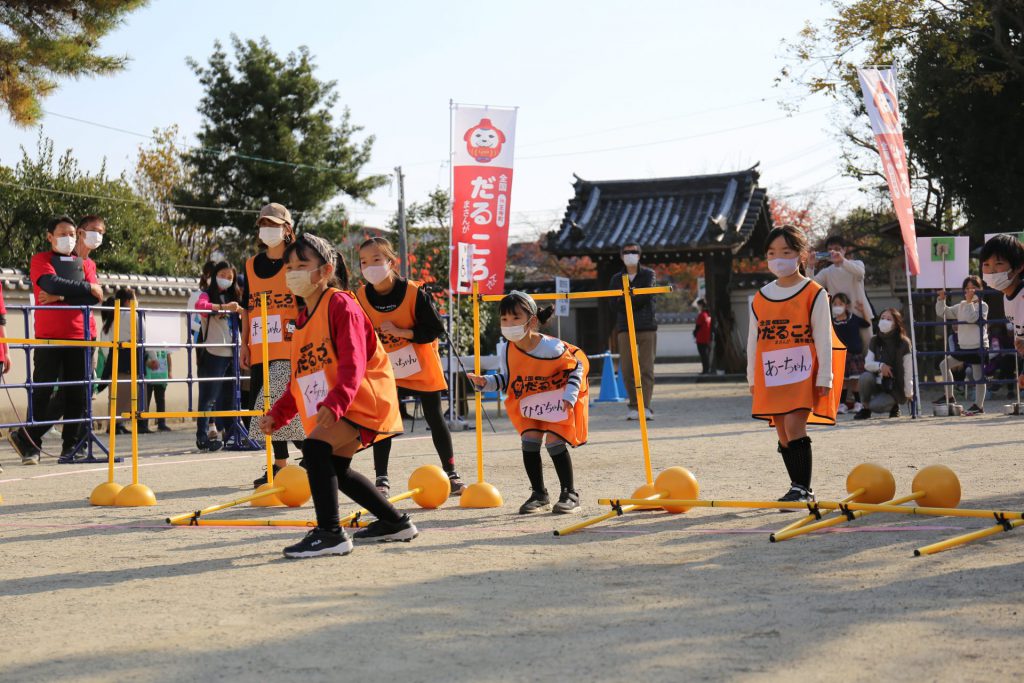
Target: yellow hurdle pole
[
  {"x": 58, "y": 342},
  {"x": 602, "y": 294},
  {"x": 265, "y": 343},
  {"x": 135, "y": 393},
  {"x": 223, "y": 506},
  {"x": 835, "y": 521},
  {"x": 114, "y": 353},
  {"x": 967, "y": 538},
  {"x": 354, "y": 516},
  {"x": 203, "y": 413},
  {"x": 244, "y": 522},
  {"x": 619, "y": 510},
  {"x": 637, "y": 382},
  {"x": 813, "y": 517},
  {"x": 476, "y": 370}
]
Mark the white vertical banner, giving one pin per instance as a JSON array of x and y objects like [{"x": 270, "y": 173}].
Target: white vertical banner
[{"x": 562, "y": 305}]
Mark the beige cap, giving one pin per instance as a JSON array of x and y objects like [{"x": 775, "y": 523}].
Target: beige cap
[{"x": 276, "y": 213}]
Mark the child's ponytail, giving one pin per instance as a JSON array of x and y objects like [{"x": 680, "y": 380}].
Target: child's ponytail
[{"x": 544, "y": 314}]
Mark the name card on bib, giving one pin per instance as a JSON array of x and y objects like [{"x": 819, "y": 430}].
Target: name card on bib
[
  {"x": 404, "y": 361},
  {"x": 786, "y": 366},
  {"x": 546, "y": 406},
  {"x": 274, "y": 331},
  {"x": 313, "y": 389}
]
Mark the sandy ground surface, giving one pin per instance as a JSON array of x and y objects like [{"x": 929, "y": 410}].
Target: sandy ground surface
[{"x": 103, "y": 594}]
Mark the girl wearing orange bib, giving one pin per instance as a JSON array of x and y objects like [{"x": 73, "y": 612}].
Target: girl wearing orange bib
[
  {"x": 343, "y": 390},
  {"x": 409, "y": 328},
  {"x": 547, "y": 393},
  {"x": 795, "y": 362}
]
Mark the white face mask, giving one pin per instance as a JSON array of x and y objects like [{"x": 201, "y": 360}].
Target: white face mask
[
  {"x": 631, "y": 259},
  {"x": 376, "y": 274},
  {"x": 271, "y": 236},
  {"x": 782, "y": 267},
  {"x": 885, "y": 326},
  {"x": 998, "y": 281},
  {"x": 92, "y": 239},
  {"x": 513, "y": 332},
  {"x": 300, "y": 282},
  {"x": 223, "y": 283},
  {"x": 65, "y": 245},
  {"x": 838, "y": 310}
]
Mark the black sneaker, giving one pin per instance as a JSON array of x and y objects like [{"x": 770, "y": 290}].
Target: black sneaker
[
  {"x": 568, "y": 502},
  {"x": 256, "y": 483},
  {"x": 162, "y": 427},
  {"x": 894, "y": 412},
  {"x": 797, "y": 494},
  {"x": 862, "y": 414},
  {"x": 537, "y": 502},
  {"x": 29, "y": 453},
  {"x": 320, "y": 542},
  {"x": 383, "y": 485},
  {"x": 974, "y": 410},
  {"x": 69, "y": 457},
  {"x": 211, "y": 445},
  {"x": 458, "y": 486},
  {"x": 381, "y": 531}
]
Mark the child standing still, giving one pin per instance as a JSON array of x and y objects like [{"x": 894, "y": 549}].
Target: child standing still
[
  {"x": 343, "y": 390},
  {"x": 546, "y": 382},
  {"x": 848, "y": 328},
  {"x": 794, "y": 360}
]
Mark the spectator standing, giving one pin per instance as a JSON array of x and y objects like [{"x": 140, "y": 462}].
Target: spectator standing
[
  {"x": 59, "y": 272},
  {"x": 5, "y": 358},
  {"x": 158, "y": 366},
  {"x": 887, "y": 380},
  {"x": 847, "y": 276},
  {"x": 216, "y": 363},
  {"x": 848, "y": 326},
  {"x": 702, "y": 335},
  {"x": 646, "y": 330},
  {"x": 972, "y": 340}
]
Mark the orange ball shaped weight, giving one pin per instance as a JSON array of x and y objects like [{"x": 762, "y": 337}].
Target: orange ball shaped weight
[
  {"x": 940, "y": 485},
  {"x": 432, "y": 486},
  {"x": 878, "y": 483},
  {"x": 296, "y": 486},
  {"x": 677, "y": 483},
  {"x": 646, "y": 491}
]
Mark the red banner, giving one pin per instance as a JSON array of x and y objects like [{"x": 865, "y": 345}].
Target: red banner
[
  {"x": 879, "y": 88},
  {"x": 481, "y": 196}
]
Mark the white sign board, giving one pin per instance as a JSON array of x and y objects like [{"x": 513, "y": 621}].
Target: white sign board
[
  {"x": 944, "y": 262},
  {"x": 701, "y": 287},
  {"x": 161, "y": 328},
  {"x": 562, "y": 305}
]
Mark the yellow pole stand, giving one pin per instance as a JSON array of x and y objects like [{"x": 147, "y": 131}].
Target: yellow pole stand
[
  {"x": 812, "y": 517},
  {"x": 135, "y": 495},
  {"x": 615, "y": 512},
  {"x": 637, "y": 383},
  {"x": 967, "y": 538},
  {"x": 265, "y": 343},
  {"x": 481, "y": 494},
  {"x": 835, "y": 521},
  {"x": 177, "y": 519},
  {"x": 106, "y": 493}
]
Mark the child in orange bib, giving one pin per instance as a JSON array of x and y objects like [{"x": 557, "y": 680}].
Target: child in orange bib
[
  {"x": 343, "y": 390},
  {"x": 546, "y": 382},
  {"x": 795, "y": 362}
]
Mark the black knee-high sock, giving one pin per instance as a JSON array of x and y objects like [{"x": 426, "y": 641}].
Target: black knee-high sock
[
  {"x": 381, "y": 455},
  {"x": 801, "y": 450},
  {"x": 442, "y": 438},
  {"x": 362, "y": 492},
  {"x": 790, "y": 462},
  {"x": 323, "y": 482},
  {"x": 563, "y": 464},
  {"x": 531, "y": 461},
  {"x": 281, "y": 450}
]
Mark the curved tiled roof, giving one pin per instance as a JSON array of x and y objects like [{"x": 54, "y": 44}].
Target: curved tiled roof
[{"x": 151, "y": 285}]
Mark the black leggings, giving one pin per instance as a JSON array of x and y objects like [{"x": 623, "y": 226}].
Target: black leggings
[{"x": 431, "y": 402}]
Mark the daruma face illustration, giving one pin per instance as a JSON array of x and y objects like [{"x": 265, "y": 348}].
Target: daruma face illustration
[{"x": 484, "y": 141}]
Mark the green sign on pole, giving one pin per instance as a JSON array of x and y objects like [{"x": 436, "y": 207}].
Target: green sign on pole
[{"x": 943, "y": 249}]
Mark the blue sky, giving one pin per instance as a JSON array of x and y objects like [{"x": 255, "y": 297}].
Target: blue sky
[{"x": 676, "y": 87}]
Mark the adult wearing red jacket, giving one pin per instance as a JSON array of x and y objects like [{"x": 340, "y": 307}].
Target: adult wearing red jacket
[{"x": 702, "y": 335}]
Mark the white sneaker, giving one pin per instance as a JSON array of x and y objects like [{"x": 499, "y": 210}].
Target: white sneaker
[
  {"x": 842, "y": 410},
  {"x": 648, "y": 413},
  {"x": 633, "y": 415},
  {"x": 857, "y": 407}
]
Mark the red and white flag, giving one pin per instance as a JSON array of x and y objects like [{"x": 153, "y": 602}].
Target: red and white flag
[
  {"x": 879, "y": 88},
  {"x": 484, "y": 139}
]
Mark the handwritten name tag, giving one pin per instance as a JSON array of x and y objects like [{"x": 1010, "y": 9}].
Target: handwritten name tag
[
  {"x": 314, "y": 390},
  {"x": 274, "y": 330},
  {"x": 786, "y": 366},
  {"x": 546, "y": 406},
  {"x": 404, "y": 362}
]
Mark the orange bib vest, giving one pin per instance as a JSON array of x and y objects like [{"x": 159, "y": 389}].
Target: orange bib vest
[
  {"x": 416, "y": 366},
  {"x": 786, "y": 365},
  {"x": 282, "y": 310},
  {"x": 535, "y": 389},
  {"x": 315, "y": 372}
]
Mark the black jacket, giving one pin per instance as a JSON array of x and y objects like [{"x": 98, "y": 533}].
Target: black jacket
[{"x": 643, "y": 305}]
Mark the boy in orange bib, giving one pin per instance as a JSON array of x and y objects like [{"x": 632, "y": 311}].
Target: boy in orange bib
[
  {"x": 795, "y": 362},
  {"x": 343, "y": 390},
  {"x": 546, "y": 382}
]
